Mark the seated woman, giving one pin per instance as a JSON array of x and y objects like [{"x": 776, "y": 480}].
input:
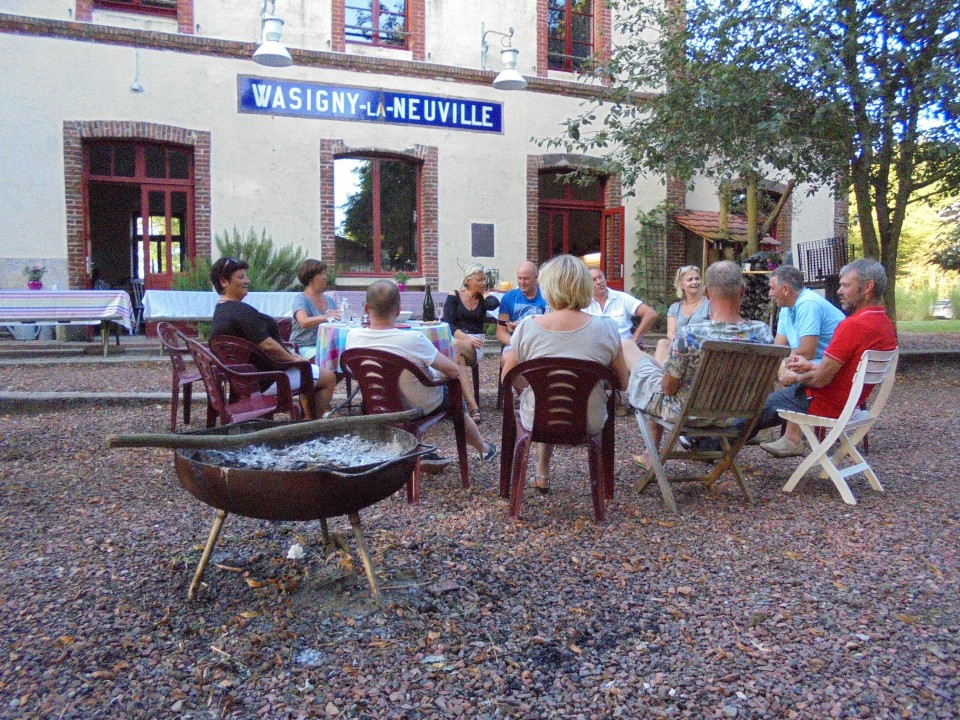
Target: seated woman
[
  {"x": 236, "y": 318},
  {"x": 570, "y": 333},
  {"x": 465, "y": 311},
  {"x": 311, "y": 307},
  {"x": 693, "y": 307}
]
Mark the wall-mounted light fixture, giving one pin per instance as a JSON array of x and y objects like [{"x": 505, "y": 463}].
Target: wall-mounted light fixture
[
  {"x": 509, "y": 78},
  {"x": 271, "y": 52}
]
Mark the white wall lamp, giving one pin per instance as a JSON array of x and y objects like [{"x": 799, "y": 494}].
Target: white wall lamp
[
  {"x": 271, "y": 52},
  {"x": 509, "y": 78}
]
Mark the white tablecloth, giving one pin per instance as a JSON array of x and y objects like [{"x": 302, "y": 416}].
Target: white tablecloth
[{"x": 197, "y": 305}]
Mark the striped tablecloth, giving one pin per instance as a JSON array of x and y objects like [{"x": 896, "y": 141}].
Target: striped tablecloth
[
  {"x": 332, "y": 341},
  {"x": 52, "y": 307}
]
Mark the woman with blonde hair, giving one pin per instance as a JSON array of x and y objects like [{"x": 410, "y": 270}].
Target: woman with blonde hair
[
  {"x": 465, "y": 311},
  {"x": 692, "y": 307},
  {"x": 566, "y": 331}
]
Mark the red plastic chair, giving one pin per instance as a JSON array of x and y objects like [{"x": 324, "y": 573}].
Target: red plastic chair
[
  {"x": 285, "y": 327},
  {"x": 233, "y": 392},
  {"x": 377, "y": 372},
  {"x": 237, "y": 351},
  {"x": 175, "y": 344},
  {"x": 561, "y": 388}
]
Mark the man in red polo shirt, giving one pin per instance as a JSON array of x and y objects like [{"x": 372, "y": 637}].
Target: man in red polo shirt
[{"x": 825, "y": 385}]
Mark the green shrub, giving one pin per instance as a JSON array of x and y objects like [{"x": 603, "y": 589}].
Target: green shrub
[
  {"x": 270, "y": 270},
  {"x": 196, "y": 277},
  {"x": 914, "y": 304}
]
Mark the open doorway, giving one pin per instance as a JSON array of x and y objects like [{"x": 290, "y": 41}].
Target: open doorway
[{"x": 139, "y": 203}]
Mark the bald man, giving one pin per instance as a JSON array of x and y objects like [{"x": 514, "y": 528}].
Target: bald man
[{"x": 520, "y": 302}]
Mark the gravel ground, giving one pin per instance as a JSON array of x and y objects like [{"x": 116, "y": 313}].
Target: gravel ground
[{"x": 796, "y": 607}]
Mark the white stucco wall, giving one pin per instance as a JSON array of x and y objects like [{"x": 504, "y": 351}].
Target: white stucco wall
[{"x": 265, "y": 169}]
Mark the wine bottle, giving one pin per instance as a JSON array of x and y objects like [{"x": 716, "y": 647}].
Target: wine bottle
[{"x": 429, "y": 314}]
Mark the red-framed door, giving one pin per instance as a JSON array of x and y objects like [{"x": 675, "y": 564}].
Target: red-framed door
[
  {"x": 161, "y": 234},
  {"x": 611, "y": 251}
]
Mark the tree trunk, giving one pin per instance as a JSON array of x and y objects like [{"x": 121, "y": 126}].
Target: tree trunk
[
  {"x": 753, "y": 238},
  {"x": 777, "y": 209}
]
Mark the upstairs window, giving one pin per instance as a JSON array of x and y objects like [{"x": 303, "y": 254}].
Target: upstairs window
[
  {"x": 151, "y": 7},
  {"x": 569, "y": 34},
  {"x": 376, "y": 22}
]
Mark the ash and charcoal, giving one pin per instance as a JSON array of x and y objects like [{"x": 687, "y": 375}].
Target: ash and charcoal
[{"x": 343, "y": 451}]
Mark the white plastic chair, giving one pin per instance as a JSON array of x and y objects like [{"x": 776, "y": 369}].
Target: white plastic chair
[{"x": 877, "y": 368}]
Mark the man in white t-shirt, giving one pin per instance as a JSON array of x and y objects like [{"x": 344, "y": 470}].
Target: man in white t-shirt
[
  {"x": 621, "y": 307},
  {"x": 383, "y": 307}
]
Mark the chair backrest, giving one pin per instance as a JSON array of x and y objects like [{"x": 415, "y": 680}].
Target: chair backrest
[
  {"x": 232, "y": 350},
  {"x": 175, "y": 343},
  {"x": 285, "y": 326},
  {"x": 733, "y": 380},
  {"x": 210, "y": 372},
  {"x": 877, "y": 367},
  {"x": 378, "y": 372},
  {"x": 561, "y": 389},
  {"x": 136, "y": 288}
]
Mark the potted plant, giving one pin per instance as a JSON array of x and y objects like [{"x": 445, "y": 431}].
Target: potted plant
[
  {"x": 34, "y": 275},
  {"x": 401, "y": 279}
]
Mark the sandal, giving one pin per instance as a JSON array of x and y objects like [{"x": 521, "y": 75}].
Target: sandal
[
  {"x": 475, "y": 415},
  {"x": 540, "y": 483}
]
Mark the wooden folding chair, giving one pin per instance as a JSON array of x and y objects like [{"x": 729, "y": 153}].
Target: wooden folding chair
[
  {"x": 877, "y": 367},
  {"x": 732, "y": 383}
]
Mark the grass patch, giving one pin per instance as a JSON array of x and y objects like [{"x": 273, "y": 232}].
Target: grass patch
[{"x": 929, "y": 326}]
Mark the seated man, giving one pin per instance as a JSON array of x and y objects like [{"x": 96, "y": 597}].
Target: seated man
[
  {"x": 234, "y": 317},
  {"x": 383, "y": 307},
  {"x": 662, "y": 391},
  {"x": 827, "y": 383},
  {"x": 806, "y": 324},
  {"x": 525, "y": 299},
  {"x": 622, "y": 307}
]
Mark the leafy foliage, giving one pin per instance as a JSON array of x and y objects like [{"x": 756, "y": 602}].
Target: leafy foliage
[
  {"x": 270, "y": 269},
  {"x": 196, "y": 277},
  {"x": 946, "y": 250},
  {"x": 864, "y": 92}
]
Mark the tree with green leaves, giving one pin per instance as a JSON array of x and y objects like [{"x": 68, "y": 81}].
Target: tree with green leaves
[
  {"x": 946, "y": 249},
  {"x": 831, "y": 93}
]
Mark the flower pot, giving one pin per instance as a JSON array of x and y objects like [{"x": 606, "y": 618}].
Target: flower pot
[{"x": 35, "y": 285}]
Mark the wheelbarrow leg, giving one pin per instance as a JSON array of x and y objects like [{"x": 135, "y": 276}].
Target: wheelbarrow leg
[
  {"x": 207, "y": 551},
  {"x": 365, "y": 557}
]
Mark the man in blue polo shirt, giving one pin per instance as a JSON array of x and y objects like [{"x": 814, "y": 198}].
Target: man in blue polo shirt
[
  {"x": 806, "y": 324},
  {"x": 523, "y": 300}
]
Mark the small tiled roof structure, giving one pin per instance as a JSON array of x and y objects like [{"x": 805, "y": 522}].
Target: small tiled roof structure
[{"x": 706, "y": 224}]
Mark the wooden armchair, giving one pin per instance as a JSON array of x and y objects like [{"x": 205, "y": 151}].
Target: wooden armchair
[{"x": 732, "y": 383}]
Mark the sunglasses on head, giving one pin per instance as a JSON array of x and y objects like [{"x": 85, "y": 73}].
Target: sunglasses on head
[{"x": 225, "y": 271}]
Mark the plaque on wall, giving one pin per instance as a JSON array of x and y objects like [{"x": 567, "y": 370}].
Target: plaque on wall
[{"x": 481, "y": 239}]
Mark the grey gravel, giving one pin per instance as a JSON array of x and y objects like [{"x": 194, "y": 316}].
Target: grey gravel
[{"x": 796, "y": 607}]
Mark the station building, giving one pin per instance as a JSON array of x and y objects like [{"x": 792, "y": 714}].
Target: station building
[{"x": 135, "y": 130}]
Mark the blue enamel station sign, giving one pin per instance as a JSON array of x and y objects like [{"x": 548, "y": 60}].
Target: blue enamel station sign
[{"x": 266, "y": 96}]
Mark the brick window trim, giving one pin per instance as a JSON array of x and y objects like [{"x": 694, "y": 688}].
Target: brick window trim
[
  {"x": 537, "y": 164},
  {"x": 427, "y": 156},
  {"x": 602, "y": 31},
  {"x": 184, "y": 14},
  {"x": 75, "y": 132},
  {"x": 416, "y": 27}
]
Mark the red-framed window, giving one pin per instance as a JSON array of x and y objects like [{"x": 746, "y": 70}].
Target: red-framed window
[
  {"x": 376, "y": 22},
  {"x": 150, "y": 7},
  {"x": 377, "y": 215},
  {"x": 570, "y": 41}
]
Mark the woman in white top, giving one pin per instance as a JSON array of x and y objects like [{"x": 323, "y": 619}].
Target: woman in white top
[
  {"x": 693, "y": 307},
  {"x": 566, "y": 332}
]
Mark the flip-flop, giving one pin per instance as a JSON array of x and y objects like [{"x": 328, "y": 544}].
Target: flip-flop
[{"x": 475, "y": 415}]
